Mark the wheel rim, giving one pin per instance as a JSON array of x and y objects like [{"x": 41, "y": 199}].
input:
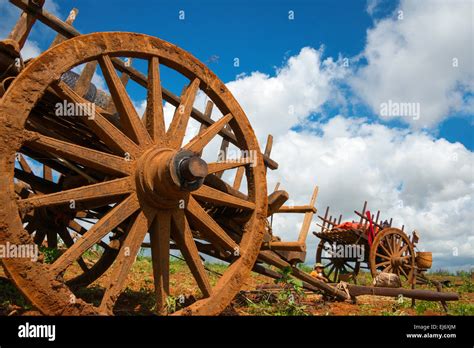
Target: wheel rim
[
  {"x": 392, "y": 252},
  {"x": 139, "y": 188}
]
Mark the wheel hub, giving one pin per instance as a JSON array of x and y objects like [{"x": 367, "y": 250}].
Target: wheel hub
[
  {"x": 397, "y": 262},
  {"x": 165, "y": 177}
]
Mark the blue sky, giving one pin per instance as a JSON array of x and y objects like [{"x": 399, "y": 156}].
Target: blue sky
[
  {"x": 259, "y": 33},
  {"x": 426, "y": 165}
]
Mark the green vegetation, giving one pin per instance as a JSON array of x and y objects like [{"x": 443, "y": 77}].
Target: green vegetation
[
  {"x": 462, "y": 309},
  {"x": 286, "y": 303},
  {"x": 305, "y": 268},
  {"x": 50, "y": 254},
  {"x": 467, "y": 285},
  {"x": 11, "y": 298}
]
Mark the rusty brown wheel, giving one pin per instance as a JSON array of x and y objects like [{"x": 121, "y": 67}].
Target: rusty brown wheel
[
  {"x": 134, "y": 173},
  {"x": 336, "y": 268},
  {"x": 50, "y": 225},
  {"x": 392, "y": 252}
]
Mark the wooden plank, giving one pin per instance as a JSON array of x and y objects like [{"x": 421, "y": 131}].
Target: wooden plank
[
  {"x": 24, "y": 25},
  {"x": 69, "y": 20}
]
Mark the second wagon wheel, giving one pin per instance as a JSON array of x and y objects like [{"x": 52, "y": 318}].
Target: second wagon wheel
[
  {"x": 392, "y": 252},
  {"x": 336, "y": 267},
  {"x": 146, "y": 175}
]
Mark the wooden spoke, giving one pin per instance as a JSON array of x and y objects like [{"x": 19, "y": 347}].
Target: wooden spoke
[
  {"x": 223, "y": 150},
  {"x": 384, "y": 248},
  {"x": 348, "y": 265},
  {"x": 111, "y": 220},
  {"x": 383, "y": 263},
  {"x": 73, "y": 225},
  {"x": 154, "y": 118},
  {"x": 402, "y": 269},
  {"x": 52, "y": 237},
  {"x": 76, "y": 227},
  {"x": 24, "y": 164},
  {"x": 84, "y": 193},
  {"x": 328, "y": 264},
  {"x": 330, "y": 270},
  {"x": 125, "y": 76},
  {"x": 67, "y": 239},
  {"x": 31, "y": 227},
  {"x": 207, "y": 114},
  {"x": 211, "y": 195},
  {"x": 160, "y": 253},
  {"x": 129, "y": 118},
  {"x": 39, "y": 235},
  {"x": 47, "y": 173},
  {"x": 104, "y": 129},
  {"x": 37, "y": 184},
  {"x": 238, "y": 178},
  {"x": 388, "y": 242},
  {"x": 383, "y": 256},
  {"x": 215, "y": 167},
  {"x": 209, "y": 227},
  {"x": 178, "y": 125},
  {"x": 396, "y": 243},
  {"x": 96, "y": 159},
  {"x": 198, "y": 143},
  {"x": 184, "y": 239},
  {"x": 403, "y": 249},
  {"x": 336, "y": 274},
  {"x": 85, "y": 78},
  {"x": 122, "y": 265}
]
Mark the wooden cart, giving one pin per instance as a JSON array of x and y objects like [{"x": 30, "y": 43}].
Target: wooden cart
[{"x": 391, "y": 249}]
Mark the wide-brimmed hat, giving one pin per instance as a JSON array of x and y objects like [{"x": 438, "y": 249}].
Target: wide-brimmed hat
[{"x": 319, "y": 265}]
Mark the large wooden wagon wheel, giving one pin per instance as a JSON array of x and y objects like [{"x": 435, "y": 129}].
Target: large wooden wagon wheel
[
  {"x": 146, "y": 178},
  {"x": 392, "y": 252},
  {"x": 336, "y": 267}
]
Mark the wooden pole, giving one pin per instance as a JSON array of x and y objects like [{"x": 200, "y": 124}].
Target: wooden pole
[{"x": 69, "y": 32}]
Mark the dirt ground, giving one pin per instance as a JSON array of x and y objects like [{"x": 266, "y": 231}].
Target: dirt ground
[{"x": 138, "y": 297}]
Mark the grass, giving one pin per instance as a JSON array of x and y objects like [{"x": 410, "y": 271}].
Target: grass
[
  {"x": 467, "y": 285},
  {"x": 287, "y": 302},
  {"x": 50, "y": 254},
  {"x": 139, "y": 297},
  {"x": 10, "y": 297}
]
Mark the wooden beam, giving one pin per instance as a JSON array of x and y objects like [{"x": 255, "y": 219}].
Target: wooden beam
[
  {"x": 287, "y": 246},
  {"x": 24, "y": 25},
  {"x": 297, "y": 209},
  {"x": 308, "y": 217},
  {"x": 69, "y": 20},
  {"x": 69, "y": 31}
]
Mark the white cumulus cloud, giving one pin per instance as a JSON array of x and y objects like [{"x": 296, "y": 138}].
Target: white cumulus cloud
[{"x": 422, "y": 54}]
